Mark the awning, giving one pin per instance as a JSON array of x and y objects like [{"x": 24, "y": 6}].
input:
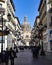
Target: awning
[{"x": 4, "y": 33}]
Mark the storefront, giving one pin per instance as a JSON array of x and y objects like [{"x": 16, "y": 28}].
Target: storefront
[{"x": 4, "y": 40}]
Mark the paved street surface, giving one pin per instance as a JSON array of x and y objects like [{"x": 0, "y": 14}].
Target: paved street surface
[{"x": 25, "y": 58}]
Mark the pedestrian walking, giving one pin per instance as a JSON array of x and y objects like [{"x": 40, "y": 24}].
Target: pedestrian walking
[
  {"x": 7, "y": 56},
  {"x": 15, "y": 53},
  {"x": 12, "y": 56},
  {"x": 3, "y": 57},
  {"x": 35, "y": 51},
  {"x": 0, "y": 58}
]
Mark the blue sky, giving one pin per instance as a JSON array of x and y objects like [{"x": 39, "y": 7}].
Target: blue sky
[{"x": 27, "y": 8}]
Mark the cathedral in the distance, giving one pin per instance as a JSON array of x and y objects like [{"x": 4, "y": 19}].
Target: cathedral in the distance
[{"x": 26, "y": 34}]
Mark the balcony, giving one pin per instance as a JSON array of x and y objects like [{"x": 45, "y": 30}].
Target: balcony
[
  {"x": 10, "y": 26},
  {"x": 50, "y": 24},
  {"x": 2, "y": 10},
  {"x": 50, "y": 10}
]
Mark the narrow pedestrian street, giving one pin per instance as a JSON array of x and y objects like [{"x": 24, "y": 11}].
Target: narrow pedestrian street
[
  {"x": 25, "y": 58},
  {"x": 25, "y": 32}
]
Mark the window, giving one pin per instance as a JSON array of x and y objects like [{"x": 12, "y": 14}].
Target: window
[
  {"x": 50, "y": 22},
  {"x": 50, "y": 33},
  {"x": 49, "y": 6},
  {"x": 1, "y": 39},
  {"x": 51, "y": 19},
  {"x": 0, "y": 5},
  {"x": 27, "y": 36},
  {"x": 50, "y": 44}
]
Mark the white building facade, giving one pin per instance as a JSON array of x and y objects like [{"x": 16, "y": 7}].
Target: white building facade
[
  {"x": 45, "y": 12},
  {"x": 8, "y": 24}
]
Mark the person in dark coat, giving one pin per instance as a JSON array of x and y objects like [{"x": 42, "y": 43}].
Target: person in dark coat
[
  {"x": 15, "y": 53},
  {"x": 12, "y": 56},
  {"x": 35, "y": 51},
  {"x": 0, "y": 58},
  {"x": 3, "y": 57},
  {"x": 7, "y": 56}
]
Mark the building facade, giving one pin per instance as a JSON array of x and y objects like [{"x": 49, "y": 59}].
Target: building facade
[
  {"x": 18, "y": 31},
  {"x": 36, "y": 31},
  {"x": 45, "y": 13},
  {"x": 9, "y": 24},
  {"x": 26, "y": 32}
]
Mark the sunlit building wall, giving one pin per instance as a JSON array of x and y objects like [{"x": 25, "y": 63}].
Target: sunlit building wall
[
  {"x": 9, "y": 39},
  {"x": 45, "y": 12}
]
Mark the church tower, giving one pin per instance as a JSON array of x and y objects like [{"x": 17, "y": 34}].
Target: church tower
[
  {"x": 26, "y": 26},
  {"x": 25, "y": 19},
  {"x": 26, "y": 31}
]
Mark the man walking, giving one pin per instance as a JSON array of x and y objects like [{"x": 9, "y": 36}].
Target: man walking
[
  {"x": 12, "y": 56},
  {"x": 7, "y": 56}
]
